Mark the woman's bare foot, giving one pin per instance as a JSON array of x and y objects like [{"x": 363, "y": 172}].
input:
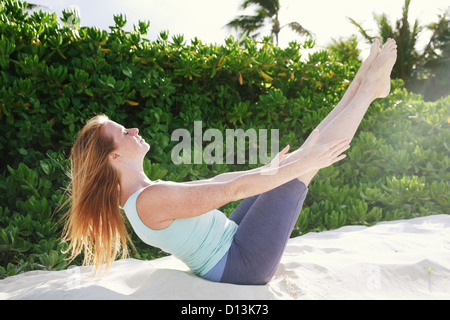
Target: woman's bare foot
[
  {"x": 378, "y": 79},
  {"x": 360, "y": 75},
  {"x": 367, "y": 64}
]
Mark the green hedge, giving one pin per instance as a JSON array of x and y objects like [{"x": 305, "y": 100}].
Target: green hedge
[{"x": 55, "y": 77}]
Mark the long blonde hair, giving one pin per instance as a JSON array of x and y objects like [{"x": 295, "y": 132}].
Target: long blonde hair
[{"x": 94, "y": 224}]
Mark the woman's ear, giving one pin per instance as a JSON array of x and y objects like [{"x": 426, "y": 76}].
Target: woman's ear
[{"x": 114, "y": 157}]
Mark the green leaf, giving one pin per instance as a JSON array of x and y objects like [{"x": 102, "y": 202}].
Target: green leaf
[
  {"x": 126, "y": 71},
  {"x": 45, "y": 166}
]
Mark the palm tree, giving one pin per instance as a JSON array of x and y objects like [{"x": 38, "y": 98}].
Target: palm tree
[
  {"x": 421, "y": 73},
  {"x": 406, "y": 39},
  {"x": 267, "y": 11},
  {"x": 435, "y": 61}
]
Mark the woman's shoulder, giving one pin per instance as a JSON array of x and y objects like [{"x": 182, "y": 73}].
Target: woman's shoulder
[{"x": 149, "y": 205}]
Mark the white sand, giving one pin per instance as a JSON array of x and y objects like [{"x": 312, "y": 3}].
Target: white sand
[{"x": 407, "y": 259}]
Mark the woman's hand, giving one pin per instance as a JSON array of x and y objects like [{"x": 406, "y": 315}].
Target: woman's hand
[
  {"x": 314, "y": 156},
  {"x": 319, "y": 156}
]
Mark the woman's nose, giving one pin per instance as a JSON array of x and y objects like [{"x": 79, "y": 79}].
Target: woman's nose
[{"x": 135, "y": 131}]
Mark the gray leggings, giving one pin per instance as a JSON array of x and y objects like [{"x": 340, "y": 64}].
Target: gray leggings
[{"x": 265, "y": 223}]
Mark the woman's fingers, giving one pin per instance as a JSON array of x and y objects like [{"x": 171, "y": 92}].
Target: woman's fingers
[
  {"x": 280, "y": 156},
  {"x": 334, "y": 150},
  {"x": 339, "y": 147},
  {"x": 324, "y": 155},
  {"x": 340, "y": 150},
  {"x": 285, "y": 150},
  {"x": 283, "y": 154},
  {"x": 342, "y": 156}
]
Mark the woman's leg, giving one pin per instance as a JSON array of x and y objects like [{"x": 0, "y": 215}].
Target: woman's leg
[
  {"x": 267, "y": 224},
  {"x": 353, "y": 88},
  {"x": 243, "y": 207},
  {"x": 263, "y": 233},
  {"x": 354, "y": 85},
  {"x": 344, "y": 120},
  {"x": 240, "y": 212}
]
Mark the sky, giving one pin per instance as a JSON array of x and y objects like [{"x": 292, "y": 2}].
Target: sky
[{"x": 205, "y": 19}]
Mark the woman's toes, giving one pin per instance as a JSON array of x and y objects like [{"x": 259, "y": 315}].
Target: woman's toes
[
  {"x": 375, "y": 46},
  {"x": 390, "y": 45},
  {"x": 376, "y": 42}
]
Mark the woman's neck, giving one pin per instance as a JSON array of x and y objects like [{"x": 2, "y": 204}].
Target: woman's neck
[{"x": 132, "y": 180}]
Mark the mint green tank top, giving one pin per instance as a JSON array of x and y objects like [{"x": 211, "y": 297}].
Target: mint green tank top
[{"x": 200, "y": 242}]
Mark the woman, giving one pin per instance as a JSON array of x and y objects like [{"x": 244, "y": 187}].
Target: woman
[{"x": 181, "y": 218}]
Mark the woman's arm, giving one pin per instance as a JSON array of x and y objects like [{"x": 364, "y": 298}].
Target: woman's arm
[
  {"x": 161, "y": 203},
  {"x": 227, "y": 176},
  {"x": 284, "y": 168},
  {"x": 224, "y": 177}
]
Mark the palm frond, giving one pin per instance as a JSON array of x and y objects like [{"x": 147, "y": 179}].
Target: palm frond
[
  {"x": 266, "y": 12},
  {"x": 385, "y": 29},
  {"x": 271, "y": 6},
  {"x": 440, "y": 37},
  {"x": 246, "y": 23},
  {"x": 361, "y": 30},
  {"x": 297, "y": 27}
]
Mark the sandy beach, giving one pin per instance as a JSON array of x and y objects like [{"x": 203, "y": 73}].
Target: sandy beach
[{"x": 405, "y": 259}]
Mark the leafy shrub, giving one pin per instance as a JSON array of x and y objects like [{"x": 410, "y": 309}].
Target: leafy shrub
[
  {"x": 397, "y": 168},
  {"x": 55, "y": 77}
]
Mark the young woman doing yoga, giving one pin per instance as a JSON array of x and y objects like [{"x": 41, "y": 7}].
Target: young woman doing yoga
[{"x": 181, "y": 218}]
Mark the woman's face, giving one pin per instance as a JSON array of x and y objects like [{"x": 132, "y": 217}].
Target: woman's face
[{"x": 128, "y": 144}]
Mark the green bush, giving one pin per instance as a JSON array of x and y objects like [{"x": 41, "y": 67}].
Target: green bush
[
  {"x": 54, "y": 77},
  {"x": 397, "y": 168}
]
